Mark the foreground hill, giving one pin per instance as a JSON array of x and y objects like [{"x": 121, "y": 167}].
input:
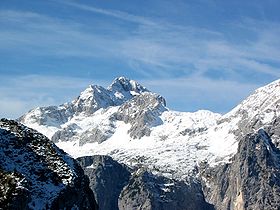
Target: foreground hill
[{"x": 36, "y": 174}]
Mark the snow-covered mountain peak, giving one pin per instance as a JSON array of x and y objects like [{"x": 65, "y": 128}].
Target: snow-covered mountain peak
[
  {"x": 123, "y": 89},
  {"x": 262, "y": 104},
  {"x": 95, "y": 97},
  {"x": 91, "y": 99},
  {"x": 125, "y": 84},
  {"x": 90, "y": 91}
]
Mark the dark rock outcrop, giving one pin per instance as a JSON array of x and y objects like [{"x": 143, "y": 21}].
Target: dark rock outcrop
[
  {"x": 251, "y": 181},
  {"x": 35, "y": 174},
  {"x": 116, "y": 188},
  {"x": 146, "y": 191},
  {"x": 107, "y": 179},
  {"x": 11, "y": 195}
]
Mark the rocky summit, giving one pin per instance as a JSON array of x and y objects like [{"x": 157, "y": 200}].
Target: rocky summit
[{"x": 165, "y": 159}]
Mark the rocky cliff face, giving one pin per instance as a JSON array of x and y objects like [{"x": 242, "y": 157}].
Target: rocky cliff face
[
  {"x": 107, "y": 179},
  {"x": 35, "y": 174},
  {"x": 142, "y": 112},
  {"x": 146, "y": 191},
  {"x": 117, "y": 187},
  {"x": 251, "y": 180}
]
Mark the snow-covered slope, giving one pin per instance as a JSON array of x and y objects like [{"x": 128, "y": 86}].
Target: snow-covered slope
[
  {"x": 264, "y": 102},
  {"x": 135, "y": 127}
]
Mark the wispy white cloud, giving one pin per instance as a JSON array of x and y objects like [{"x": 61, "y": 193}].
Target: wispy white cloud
[
  {"x": 165, "y": 45},
  {"x": 180, "y": 56},
  {"x": 19, "y": 94},
  {"x": 151, "y": 46},
  {"x": 22, "y": 93},
  {"x": 205, "y": 50},
  {"x": 112, "y": 13},
  {"x": 196, "y": 93},
  {"x": 41, "y": 35}
]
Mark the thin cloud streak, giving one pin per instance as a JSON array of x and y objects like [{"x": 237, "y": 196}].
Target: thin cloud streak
[
  {"x": 184, "y": 55},
  {"x": 150, "y": 50},
  {"x": 22, "y": 93},
  {"x": 112, "y": 13},
  {"x": 19, "y": 94},
  {"x": 201, "y": 93},
  {"x": 64, "y": 38},
  {"x": 163, "y": 48}
]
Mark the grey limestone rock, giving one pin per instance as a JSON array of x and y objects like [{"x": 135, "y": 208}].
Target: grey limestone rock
[
  {"x": 51, "y": 115},
  {"x": 142, "y": 112},
  {"x": 107, "y": 179},
  {"x": 251, "y": 181},
  {"x": 273, "y": 130},
  {"x": 65, "y": 134},
  {"x": 94, "y": 135},
  {"x": 123, "y": 89},
  {"x": 118, "y": 187},
  {"x": 146, "y": 191}
]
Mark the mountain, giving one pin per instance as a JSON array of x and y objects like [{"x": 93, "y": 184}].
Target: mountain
[
  {"x": 90, "y": 100},
  {"x": 137, "y": 128},
  {"x": 118, "y": 187},
  {"x": 251, "y": 180},
  {"x": 36, "y": 174},
  {"x": 134, "y": 127}
]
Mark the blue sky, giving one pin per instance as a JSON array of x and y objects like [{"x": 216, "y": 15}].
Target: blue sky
[{"x": 198, "y": 54}]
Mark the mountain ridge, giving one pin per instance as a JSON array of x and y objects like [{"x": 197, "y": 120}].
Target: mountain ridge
[
  {"x": 142, "y": 123},
  {"x": 204, "y": 151}
]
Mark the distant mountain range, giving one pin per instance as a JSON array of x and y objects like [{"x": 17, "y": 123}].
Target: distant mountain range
[{"x": 138, "y": 154}]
